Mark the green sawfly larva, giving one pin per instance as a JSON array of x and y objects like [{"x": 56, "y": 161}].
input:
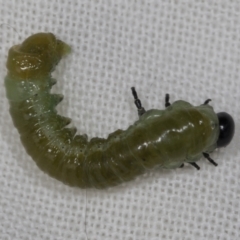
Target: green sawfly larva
[{"x": 182, "y": 133}]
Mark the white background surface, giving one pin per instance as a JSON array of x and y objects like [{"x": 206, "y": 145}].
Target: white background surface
[{"x": 190, "y": 49}]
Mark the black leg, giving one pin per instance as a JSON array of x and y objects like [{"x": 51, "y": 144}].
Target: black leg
[
  {"x": 182, "y": 166},
  {"x": 167, "y": 103},
  {"x": 194, "y": 165},
  {"x": 137, "y": 102},
  {"x": 206, "y": 155},
  {"x": 207, "y": 101}
]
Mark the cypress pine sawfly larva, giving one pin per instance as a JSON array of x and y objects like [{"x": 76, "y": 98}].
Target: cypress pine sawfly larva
[{"x": 182, "y": 133}]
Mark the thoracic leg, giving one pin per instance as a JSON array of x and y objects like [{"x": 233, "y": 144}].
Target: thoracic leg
[
  {"x": 167, "y": 103},
  {"x": 138, "y": 103},
  {"x": 207, "y": 156},
  {"x": 194, "y": 165},
  {"x": 207, "y": 101}
]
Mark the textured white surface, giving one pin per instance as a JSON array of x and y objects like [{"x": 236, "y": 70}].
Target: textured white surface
[{"x": 190, "y": 49}]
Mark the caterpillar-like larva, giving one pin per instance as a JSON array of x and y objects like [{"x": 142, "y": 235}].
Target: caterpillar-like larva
[{"x": 164, "y": 138}]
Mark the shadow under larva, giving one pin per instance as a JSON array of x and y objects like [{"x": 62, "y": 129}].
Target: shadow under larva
[{"x": 182, "y": 133}]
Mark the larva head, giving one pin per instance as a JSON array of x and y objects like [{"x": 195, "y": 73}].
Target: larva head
[
  {"x": 226, "y": 127},
  {"x": 36, "y": 56}
]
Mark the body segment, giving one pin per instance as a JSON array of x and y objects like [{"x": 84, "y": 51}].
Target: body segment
[{"x": 166, "y": 138}]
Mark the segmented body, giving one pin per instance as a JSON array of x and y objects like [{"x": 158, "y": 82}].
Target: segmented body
[{"x": 165, "y": 138}]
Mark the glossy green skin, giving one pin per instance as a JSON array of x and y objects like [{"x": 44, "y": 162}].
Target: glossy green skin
[{"x": 165, "y": 138}]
